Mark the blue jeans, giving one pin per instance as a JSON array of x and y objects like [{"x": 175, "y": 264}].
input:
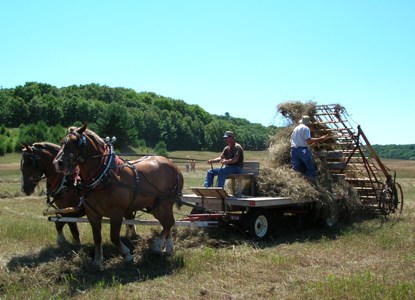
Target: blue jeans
[
  {"x": 303, "y": 155},
  {"x": 221, "y": 173}
]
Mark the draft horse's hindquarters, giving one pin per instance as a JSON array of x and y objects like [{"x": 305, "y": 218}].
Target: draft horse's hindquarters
[{"x": 113, "y": 187}]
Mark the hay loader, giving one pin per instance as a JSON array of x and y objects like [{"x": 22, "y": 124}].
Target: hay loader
[{"x": 353, "y": 158}]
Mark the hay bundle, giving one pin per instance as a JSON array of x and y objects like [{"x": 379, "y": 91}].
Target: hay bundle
[
  {"x": 279, "y": 180},
  {"x": 279, "y": 149},
  {"x": 293, "y": 111}
]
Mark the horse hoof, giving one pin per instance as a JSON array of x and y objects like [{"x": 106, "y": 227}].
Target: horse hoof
[
  {"x": 128, "y": 258},
  {"x": 157, "y": 245},
  {"x": 60, "y": 240},
  {"x": 169, "y": 246},
  {"x": 96, "y": 266}
]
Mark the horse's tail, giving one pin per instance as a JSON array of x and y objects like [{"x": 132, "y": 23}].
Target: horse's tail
[
  {"x": 179, "y": 202},
  {"x": 178, "y": 189}
]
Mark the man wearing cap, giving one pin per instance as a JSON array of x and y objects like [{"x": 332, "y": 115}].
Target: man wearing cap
[
  {"x": 300, "y": 154},
  {"x": 231, "y": 158}
]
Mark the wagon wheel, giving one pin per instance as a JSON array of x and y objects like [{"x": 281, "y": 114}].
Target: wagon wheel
[
  {"x": 258, "y": 223},
  {"x": 331, "y": 215},
  {"x": 391, "y": 199},
  {"x": 325, "y": 215}
]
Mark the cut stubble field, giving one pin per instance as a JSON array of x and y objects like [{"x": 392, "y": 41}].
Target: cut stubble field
[{"x": 364, "y": 257}]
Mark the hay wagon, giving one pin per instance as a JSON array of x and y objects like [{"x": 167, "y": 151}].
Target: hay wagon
[
  {"x": 237, "y": 205},
  {"x": 347, "y": 155}
]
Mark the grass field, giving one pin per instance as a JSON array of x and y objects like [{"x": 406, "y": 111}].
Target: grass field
[{"x": 363, "y": 258}]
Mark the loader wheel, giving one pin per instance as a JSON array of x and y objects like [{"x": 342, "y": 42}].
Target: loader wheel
[
  {"x": 391, "y": 200},
  {"x": 398, "y": 203},
  {"x": 258, "y": 223}
]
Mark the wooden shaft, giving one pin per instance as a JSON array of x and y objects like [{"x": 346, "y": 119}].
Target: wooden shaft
[{"x": 66, "y": 210}]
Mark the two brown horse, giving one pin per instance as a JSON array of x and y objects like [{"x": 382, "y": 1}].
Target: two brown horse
[
  {"x": 37, "y": 160},
  {"x": 113, "y": 187}
]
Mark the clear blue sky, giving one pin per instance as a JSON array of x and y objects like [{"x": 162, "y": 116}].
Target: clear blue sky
[{"x": 241, "y": 57}]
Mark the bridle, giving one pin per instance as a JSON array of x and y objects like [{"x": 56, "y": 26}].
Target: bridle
[
  {"x": 81, "y": 139},
  {"x": 33, "y": 180},
  {"x": 95, "y": 180}
]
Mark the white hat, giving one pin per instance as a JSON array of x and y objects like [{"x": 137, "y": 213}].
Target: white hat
[
  {"x": 228, "y": 134},
  {"x": 305, "y": 120}
]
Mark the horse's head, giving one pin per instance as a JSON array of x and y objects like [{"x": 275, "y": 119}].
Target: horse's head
[
  {"x": 72, "y": 150},
  {"x": 36, "y": 161},
  {"x": 31, "y": 170}
]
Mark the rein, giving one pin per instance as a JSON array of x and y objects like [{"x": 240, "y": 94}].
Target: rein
[
  {"x": 146, "y": 154},
  {"x": 107, "y": 165}
]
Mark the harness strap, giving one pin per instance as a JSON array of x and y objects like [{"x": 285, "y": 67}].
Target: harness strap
[{"x": 137, "y": 181}]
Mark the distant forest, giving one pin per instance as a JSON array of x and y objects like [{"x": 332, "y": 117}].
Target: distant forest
[
  {"x": 395, "y": 151},
  {"x": 36, "y": 112},
  {"x": 137, "y": 119}
]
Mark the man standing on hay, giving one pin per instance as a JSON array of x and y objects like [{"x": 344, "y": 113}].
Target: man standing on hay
[
  {"x": 300, "y": 153},
  {"x": 232, "y": 159}
]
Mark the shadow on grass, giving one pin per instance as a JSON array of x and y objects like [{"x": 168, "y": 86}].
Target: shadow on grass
[
  {"x": 285, "y": 230},
  {"x": 71, "y": 266}
]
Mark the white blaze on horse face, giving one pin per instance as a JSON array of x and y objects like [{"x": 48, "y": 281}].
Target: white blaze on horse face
[{"x": 60, "y": 164}]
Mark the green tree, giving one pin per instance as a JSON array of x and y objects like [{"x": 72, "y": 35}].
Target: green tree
[
  {"x": 32, "y": 133},
  {"x": 151, "y": 127},
  {"x": 115, "y": 120},
  {"x": 14, "y": 111},
  {"x": 161, "y": 149},
  {"x": 214, "y": 134}
]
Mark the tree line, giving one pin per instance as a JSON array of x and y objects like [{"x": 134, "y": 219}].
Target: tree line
[
  {"x": 42, "y": 112},
  {"x": 36, "y": 112},
  {"x": 393, "y": 151}
]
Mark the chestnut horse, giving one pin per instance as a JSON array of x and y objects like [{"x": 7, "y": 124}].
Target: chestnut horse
[
  {"x": 112, "y": 187},
  {"x": 37, "y": 161}
]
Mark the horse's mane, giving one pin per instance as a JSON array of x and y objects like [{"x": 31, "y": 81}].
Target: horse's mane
[
  {"x": 89, "y": 132},
  {"x": 47, "y": 146},
  {"x": 95, "y": 136}
]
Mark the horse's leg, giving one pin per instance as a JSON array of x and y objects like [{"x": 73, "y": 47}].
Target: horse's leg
[
  {"x": 115, "y": 223},
  {"x": 61, "y": 237},
  {"x": 130, "y": 231},
  {"x": 164, "y": 213},
  {"x": 96, "y": 233},
  {"x": 75, "y": 232}
]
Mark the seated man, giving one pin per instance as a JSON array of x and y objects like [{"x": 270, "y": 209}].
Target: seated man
[{"x": 232, "y": 159}]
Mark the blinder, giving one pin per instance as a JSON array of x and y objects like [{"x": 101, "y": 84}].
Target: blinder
[
  {"x": 81, "y": 143},
  {"x": 34, "y": 180}
]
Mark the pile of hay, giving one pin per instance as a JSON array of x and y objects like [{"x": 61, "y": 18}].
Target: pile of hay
[{"x": 278, "y": 179}]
